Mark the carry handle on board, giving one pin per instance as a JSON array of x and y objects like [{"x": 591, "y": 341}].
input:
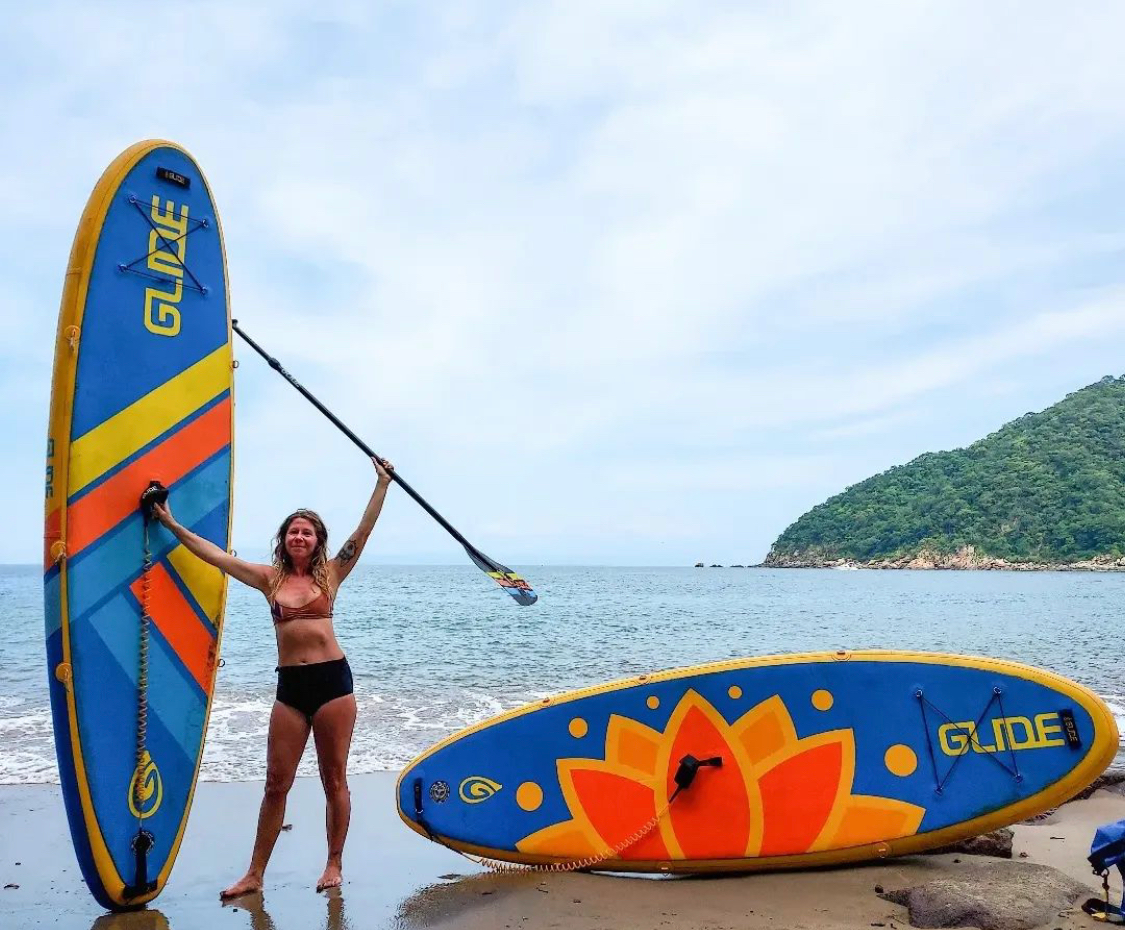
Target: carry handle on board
[
  {"x": 507, "y": 579},
  {"x": 154, "y": 494}
]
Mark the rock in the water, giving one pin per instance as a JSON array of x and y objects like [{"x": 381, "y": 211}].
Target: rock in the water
[
  {"x": 998, "y": 843},
  {"x": 999, "y": 896}
]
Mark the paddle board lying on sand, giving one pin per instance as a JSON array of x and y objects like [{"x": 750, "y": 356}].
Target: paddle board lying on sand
[
  {"x": 141, "y": 391},
  {"x": 806, "y": 760}
]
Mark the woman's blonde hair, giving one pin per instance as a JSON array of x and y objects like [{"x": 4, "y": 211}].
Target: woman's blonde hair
[{"x": 318, "y": 561}]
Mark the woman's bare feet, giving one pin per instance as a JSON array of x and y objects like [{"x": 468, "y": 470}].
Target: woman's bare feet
[
  {"x": 332, "y": 877},
  {"x": 248, "y": 884}
]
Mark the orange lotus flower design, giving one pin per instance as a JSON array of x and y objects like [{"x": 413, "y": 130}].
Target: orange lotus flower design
[{"x": 775, "y": 794}]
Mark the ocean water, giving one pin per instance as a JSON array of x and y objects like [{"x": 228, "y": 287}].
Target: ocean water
[{"x": 437, "y": 648}]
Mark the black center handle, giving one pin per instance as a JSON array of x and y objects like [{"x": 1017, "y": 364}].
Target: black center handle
[
  {"x": 689, "y": 767},
  {"x": 154, "y": 494}
]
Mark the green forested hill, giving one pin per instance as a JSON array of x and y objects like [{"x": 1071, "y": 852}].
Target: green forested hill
[{"x": 1047, "y": 487}]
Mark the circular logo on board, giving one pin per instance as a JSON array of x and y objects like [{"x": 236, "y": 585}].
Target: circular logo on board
[
  {"x": 477, "y": 788},
  {"x": 439, "y": 791},
  {"x": 146, "y": 789}
]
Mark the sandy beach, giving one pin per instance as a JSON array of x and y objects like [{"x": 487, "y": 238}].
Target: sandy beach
[{"x": 395, "y": 879}]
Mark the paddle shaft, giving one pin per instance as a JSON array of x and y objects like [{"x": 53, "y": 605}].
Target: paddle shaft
[{"x": 395, "y": 476}]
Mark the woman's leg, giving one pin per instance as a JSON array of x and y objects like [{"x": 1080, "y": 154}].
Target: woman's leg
[
  {"x": 332, "y": 731},
  {"x": 289, "y": 731}
]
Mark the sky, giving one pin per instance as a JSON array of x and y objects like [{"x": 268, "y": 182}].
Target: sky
[{"x": 610, "y": 282}]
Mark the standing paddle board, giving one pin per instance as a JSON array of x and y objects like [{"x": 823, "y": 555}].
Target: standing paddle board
[
  {"x": 806, "y": 760},
  {"x": 141, "y": 392}
]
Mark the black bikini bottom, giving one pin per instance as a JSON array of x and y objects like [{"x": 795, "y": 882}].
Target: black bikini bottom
[{"x": 307, "y": 688}]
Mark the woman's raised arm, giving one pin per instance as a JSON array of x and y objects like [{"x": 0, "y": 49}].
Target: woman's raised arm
[
  {"x": 349, "y": 553},
  {"x": 249, "y": 573}
]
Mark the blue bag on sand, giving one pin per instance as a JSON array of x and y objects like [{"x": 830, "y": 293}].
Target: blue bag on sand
[{"x": 1107, "y": 850}]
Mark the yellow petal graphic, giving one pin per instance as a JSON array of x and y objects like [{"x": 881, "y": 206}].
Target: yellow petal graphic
[
  {"x": 761, "y": 750},
  {"x": 632, "y": 744}
]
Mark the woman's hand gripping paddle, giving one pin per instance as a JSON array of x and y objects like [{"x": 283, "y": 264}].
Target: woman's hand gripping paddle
[{"x": 502, "y": 575}]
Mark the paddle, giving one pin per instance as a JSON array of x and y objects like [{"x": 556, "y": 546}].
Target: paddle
[{"x": 503, "y": 576}]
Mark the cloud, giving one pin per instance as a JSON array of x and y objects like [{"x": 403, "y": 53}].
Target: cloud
[
  {"x": 887, "y": 384},
  {"x": 565, "y": 259}
]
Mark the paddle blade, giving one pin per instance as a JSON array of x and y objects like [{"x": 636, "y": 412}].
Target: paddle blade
[{"x": 505, "y": 577}]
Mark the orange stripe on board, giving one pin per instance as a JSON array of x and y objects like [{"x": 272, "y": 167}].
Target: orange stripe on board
[
  {"x": 176, "y": 619},
  {"x": 51, "y": 536},
  {"x": 119, "y": 497}
]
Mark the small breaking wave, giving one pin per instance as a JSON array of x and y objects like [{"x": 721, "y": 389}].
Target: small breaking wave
[{"x": 390, "y": 731}]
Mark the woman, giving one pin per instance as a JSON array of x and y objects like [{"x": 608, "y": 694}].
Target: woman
[{"x": 314, "y": 681}]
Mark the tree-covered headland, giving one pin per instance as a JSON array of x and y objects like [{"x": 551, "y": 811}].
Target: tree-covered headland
[{"x": 1047, "y": 488}]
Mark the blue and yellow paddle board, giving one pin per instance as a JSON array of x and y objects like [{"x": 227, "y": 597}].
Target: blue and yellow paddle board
[
  {"x": 141, "y": 392},
  {"x": 807, "y": 760}
]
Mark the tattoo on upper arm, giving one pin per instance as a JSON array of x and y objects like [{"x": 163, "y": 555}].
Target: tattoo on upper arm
[{"x": 347, "y": 553}]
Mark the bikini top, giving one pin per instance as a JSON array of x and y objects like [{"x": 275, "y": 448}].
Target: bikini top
[{"x": 319, "y": 608}]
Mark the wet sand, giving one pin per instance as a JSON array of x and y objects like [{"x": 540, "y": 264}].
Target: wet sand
[
  {"x": 824, "y": 899},
  {"x": 396, "y": 879},
  {"x": 385, "y": 863}
]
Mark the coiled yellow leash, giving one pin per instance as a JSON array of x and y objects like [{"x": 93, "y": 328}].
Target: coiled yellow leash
[
  {"x": 142, "y": 679},
  {"x": 685, "y": 775},
  {"x": 143, "y": 841},
  {"x": 572, "y": 865}
]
